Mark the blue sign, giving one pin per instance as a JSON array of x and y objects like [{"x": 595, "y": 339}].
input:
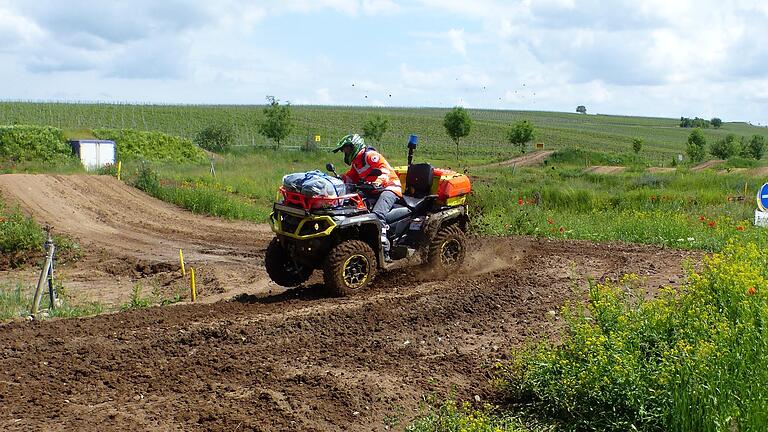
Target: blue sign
[{"x": 762, "y": 197}]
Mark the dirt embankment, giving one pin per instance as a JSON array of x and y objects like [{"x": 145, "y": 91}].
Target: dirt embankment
[{"x": 128, "y": 237}]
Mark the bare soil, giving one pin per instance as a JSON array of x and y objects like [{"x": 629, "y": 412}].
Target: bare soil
[
  {"x": 290, "y": 360},
  {"x": 527, "y": 159},
  {"x": 708, "y": 164}
]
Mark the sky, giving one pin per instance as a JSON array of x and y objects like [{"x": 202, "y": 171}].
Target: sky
[{"x": 661, "y": 58}]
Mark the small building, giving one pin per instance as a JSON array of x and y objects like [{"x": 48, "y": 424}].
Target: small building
[{"x": 94, "y": 154}]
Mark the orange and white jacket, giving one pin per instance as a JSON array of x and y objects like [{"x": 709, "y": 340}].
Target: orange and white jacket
[{"x": 368, "y": 159}]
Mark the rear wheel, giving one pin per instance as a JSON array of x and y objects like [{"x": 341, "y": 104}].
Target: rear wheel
[
  {"x": 448, "y": 249},
  {"x": 349, "y": 268},
  {"x": 282, "y": 268}
]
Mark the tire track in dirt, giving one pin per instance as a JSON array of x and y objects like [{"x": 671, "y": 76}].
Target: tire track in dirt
[{"x": 300, "y": 360}]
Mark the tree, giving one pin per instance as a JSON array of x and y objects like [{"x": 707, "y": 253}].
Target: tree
[
  {"x": 696, "y": 145},
  {"x": 457, "y": 124},
  {"x": 716, "y": 122},
  {"x": 217, "y": 137},
  {"x": 695, "y": 122},
  {"x": 756, "y": 146},
  {"x": 724, "y": 148},
  {"x": 581, "y": 109},
  {"x": 375, "y": 127},
  {"x": 277, "y": 123},
  {"x": 637, "y": 144},
  {"x": 521, "y": 133}
]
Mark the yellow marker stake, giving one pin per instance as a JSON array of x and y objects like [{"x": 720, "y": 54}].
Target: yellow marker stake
[
  {"x": 181, "y": 261},
  {"x": 119, "y": 168},
  {"x": 192, "y": 276}
]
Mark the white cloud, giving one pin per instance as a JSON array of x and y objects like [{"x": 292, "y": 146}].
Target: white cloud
[
  {"x": 456, "y": 37},
  {"x": 654, "y": 57}
]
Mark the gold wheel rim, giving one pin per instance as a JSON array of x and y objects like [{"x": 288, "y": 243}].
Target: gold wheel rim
[{"x": 355, "y": 271}]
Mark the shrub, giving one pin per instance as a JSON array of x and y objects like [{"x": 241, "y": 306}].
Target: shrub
[
  {"x": 724, "y": 148},
  {"x": 691, "y": 359},
  {"x": 375, "y": 127},
  {"x": 33, "y": 143},
  {"x": 152, "y": 146},
  {"x": 147, "y": 180},
  {"x": 755, "y": 147},
  {"x": 520, "y": 134},
  {"x": 18, "y": 233},
  {"x": 696, "y": 145},
  {"x": 216, "y": 138}
]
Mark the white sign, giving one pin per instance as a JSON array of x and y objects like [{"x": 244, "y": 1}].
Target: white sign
[{"x": 761, "y": 218}]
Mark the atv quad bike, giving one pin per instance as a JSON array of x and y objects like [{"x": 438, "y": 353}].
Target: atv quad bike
[{"x": 340, "y": 236}]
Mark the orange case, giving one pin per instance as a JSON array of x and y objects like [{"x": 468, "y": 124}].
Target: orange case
[{"x": 454, "y": 186}]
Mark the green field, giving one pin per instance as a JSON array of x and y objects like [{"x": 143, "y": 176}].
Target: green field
[{"x": 605, "y": 133}]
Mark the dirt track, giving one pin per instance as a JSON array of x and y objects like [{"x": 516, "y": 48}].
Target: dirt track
[
  {"x": 533, "y": 158},
  {"x": 127, "y": 236},
  {"x": 297, "y": 360}
]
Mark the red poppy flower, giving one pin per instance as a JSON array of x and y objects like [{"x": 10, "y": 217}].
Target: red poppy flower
[
  {"x": 739, "y": 228},
  {"x": 711, "y": 224},
  {"x": 520, "y": 201},
  {"x": 550, "y": 221},
  {"x": 751, "y": 291},
  {"x": 562, "y": 230},
  {"x": 702, "y": 218}
]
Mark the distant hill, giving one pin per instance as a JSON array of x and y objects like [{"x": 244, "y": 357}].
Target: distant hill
[{"x": 663, "y": 138}]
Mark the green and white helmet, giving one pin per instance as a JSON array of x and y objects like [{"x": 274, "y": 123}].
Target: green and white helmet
[{"x": 355, "y": 141}]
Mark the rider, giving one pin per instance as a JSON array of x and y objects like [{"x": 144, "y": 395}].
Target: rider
[{"x": 363, "y": 160}]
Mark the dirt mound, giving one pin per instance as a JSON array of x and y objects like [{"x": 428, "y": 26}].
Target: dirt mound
[
  {"x": 707, "y": 164},
  {"x": 604, "y": 169},
  {"x": 302, "y": 361},
  {"x": 525, "y": 160},
  {"x": 125, "y": 234}
]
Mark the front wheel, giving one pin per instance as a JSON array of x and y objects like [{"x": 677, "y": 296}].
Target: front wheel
[
  {"x": 447, "y": 250},
  {"x": 349, "y": 268},
  {"x": 282, "y": 268}
]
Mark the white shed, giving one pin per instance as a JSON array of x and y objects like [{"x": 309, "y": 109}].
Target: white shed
[{"x": 94, "y": 153}]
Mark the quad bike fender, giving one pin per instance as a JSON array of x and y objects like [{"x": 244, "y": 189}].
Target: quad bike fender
[
  {"x": 366, "y": 227},
  {"x": 449, "y": 216}
]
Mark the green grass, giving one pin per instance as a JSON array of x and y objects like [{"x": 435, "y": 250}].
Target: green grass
[
  {"x": 683, "y": 209},
  {"x": 663, "y": 139},
  {"x": 16, "y": 302}
]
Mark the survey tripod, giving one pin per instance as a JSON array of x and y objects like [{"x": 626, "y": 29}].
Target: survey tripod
[{"x": 46, "y": 275}]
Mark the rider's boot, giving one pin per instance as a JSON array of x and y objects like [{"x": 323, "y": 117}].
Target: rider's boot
[{"x": 385, "y": 245}]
